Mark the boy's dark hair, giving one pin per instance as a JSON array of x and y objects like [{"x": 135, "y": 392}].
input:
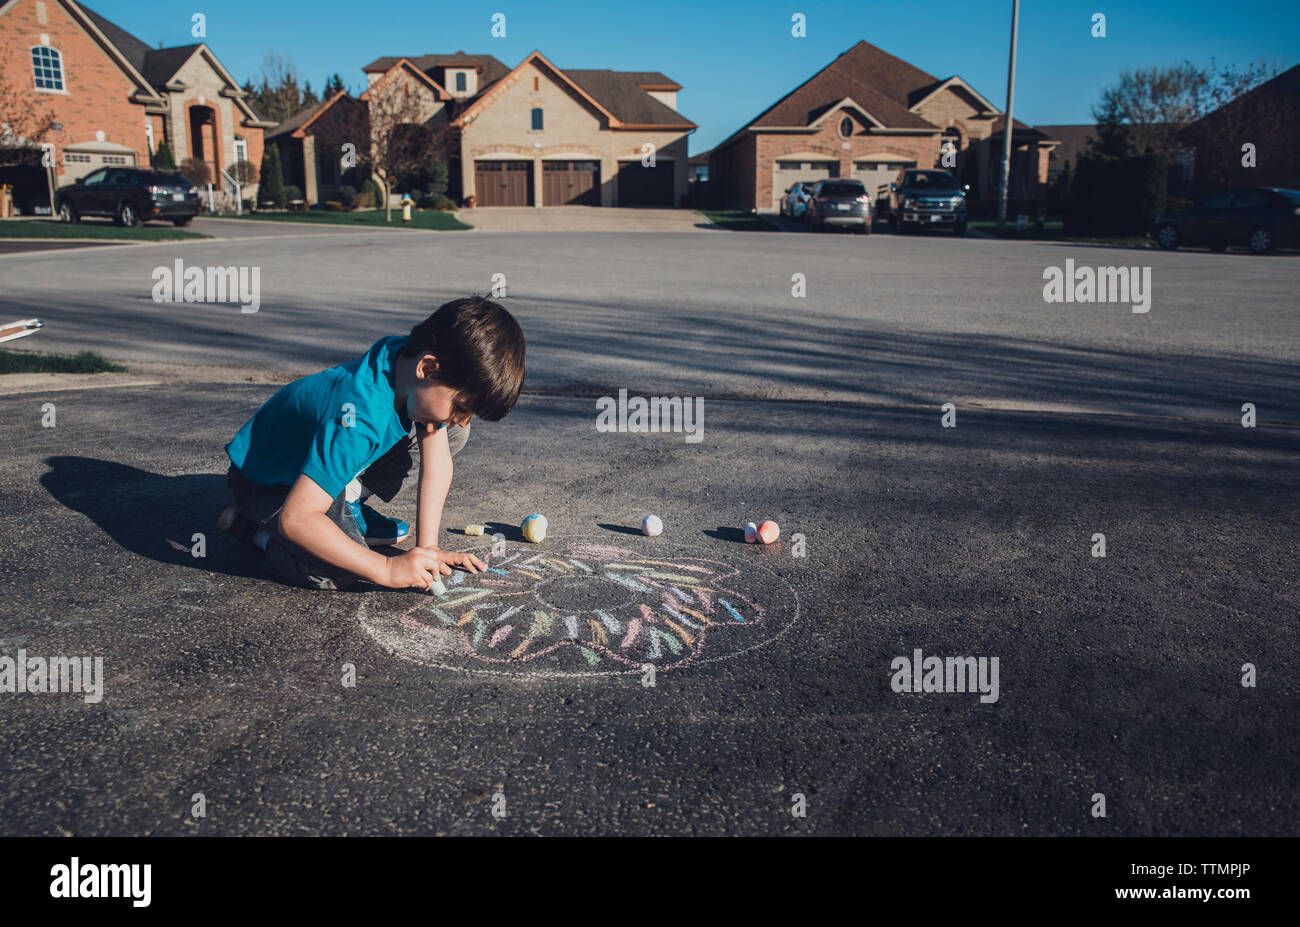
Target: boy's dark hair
[{"x": 480, "y": 351}]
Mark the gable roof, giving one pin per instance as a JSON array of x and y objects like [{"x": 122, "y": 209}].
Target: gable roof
[
  {"x": 880, "y": 84},
  {"x": 159, "y": 65},
  {"x": 622, "y": 93},
  {"x": 1283, "y": 89},
  {"x": 405, "y": 64},
  {"x": 1074, "y": 139},
  {"x": 489, "y": 69}
]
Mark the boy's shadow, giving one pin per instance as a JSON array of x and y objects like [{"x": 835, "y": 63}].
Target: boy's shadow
[{"x": 151, "y": 514}]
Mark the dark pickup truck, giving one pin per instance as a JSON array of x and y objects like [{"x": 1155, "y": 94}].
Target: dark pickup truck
[{"x": 923, "y": 199}]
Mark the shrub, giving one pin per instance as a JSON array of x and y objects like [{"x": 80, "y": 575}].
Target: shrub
[
  {"x": 334, "y": 206},
  {"x": 364, "y": 200},
  {"x": 249, "y": 206},
  {"x": 196, "y": 172},
  {"x": 243, "y": 172},
  {"x": 271, "y": 189},
  {"x": 347, "y": 195},
  {"x": 376, "y": 192},
  {"x": 1116, "y": 196},
  {"x": 292, "y": 193}
]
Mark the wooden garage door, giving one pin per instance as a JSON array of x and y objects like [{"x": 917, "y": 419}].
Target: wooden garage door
[
  {"x": 570, "y": 183},
  {"x": 503, "y": 183},
  {"x": 645, "y": 186}
]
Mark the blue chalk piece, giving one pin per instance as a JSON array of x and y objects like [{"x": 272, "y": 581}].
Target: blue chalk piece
[
  {"x": 727, "y": 605},
  {"x": 498, "y": 572}
]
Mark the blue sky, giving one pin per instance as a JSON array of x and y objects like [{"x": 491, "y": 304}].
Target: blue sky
[{"x": 736, "y": 58}]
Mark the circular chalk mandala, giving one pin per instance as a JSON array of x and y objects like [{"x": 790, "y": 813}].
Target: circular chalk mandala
[{"x": 581, "y": 609}]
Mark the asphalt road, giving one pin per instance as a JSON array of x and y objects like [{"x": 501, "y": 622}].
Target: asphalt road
[
  {"x": 1119, "y": 675},
  {"x": 887, "y": 319}
]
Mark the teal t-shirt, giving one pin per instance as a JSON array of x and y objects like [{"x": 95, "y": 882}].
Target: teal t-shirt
[{"x": 328, "y": 427}]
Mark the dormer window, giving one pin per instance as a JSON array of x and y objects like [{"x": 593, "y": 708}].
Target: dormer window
[
  {"x": 461, "y": 84},
  {"x": 47, "y": 66},
  {"x": 537, "y": 118},
  {"x": 846, "y": 127}
]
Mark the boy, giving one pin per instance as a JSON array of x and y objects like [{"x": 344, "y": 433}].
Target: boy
[{"x": 301, "y": 468}]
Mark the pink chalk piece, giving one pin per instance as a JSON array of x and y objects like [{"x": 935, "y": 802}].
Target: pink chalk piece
[
  {"x": 751, "y": 532},
  {"x": 768, "y": 532}
]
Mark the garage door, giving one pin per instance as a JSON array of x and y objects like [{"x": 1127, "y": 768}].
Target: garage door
[
  {"x": 503, "y": 183},
  {"x": 645, "y": 186},
  {"x": 786, "y": 174},
  {"x": 571, "y": 183},
  {"x": 80, "y": 161},
  {"x": 877, "y": 174}
]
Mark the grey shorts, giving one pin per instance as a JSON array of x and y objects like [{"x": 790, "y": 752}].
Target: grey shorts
[{"x": 261, "y": 505}]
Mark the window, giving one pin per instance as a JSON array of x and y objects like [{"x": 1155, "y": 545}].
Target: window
[
  {"x": 96, "y": 177},
  {"x": 77, "y": 158},
  {"x": 1250, "y": 199},
  {"x": 47, "y": 65},
  {"x": 1218, "y": 201},
  {"x": 537, "y": 118},
  {"x": 461, "y": 84},
  {"x": 241, "y": 150},
  {"x": 846, "y": 127}
]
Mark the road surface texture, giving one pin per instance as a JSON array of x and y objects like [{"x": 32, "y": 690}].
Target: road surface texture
[{"x": 1119, "y": 675}]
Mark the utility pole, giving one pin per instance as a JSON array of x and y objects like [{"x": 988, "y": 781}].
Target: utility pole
[{"x": 1011, "y": 99}]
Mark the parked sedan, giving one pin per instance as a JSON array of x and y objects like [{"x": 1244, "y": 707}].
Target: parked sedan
[
  {"x": 1261, "y": 218},
  {"x": 839, "y": 204},
  {"x": 129, "y": 196},
  {"x": 795, "y": 200}
]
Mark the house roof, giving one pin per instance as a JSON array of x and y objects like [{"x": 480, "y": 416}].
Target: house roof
[
  {"x": 878, "y": 81},
  {"x": 621, "y": 93},
  {"x": 157, "y": 65},
  {"x": 1074, "y": 139},
  {"x": 293, "y": 123},
  {"x": 1285, "y": 88}
]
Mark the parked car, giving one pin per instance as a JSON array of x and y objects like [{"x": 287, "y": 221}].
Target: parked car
[
  {"x": 924, "y": 199},
  {"x": 795, "y": 200},
  {"x": 1261, "y": 218},
  {"x": 839, "y": 203},
  {"x": 129, "y": 196}
]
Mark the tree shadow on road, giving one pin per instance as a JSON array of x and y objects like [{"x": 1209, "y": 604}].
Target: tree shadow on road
[{"x": 153, "y": 515}]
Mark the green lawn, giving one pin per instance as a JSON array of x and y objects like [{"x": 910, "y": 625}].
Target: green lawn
[
  {"x": 32, "y": 362},
  {"x": 737, "y": 220},
  {"x": 434, "y": 219},
  {"x": 49, "y": 228},
  {"x": 1053, "y": 230}
]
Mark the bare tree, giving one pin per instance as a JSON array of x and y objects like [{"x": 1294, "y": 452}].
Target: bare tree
[
  {"x": 1152, "y": 105},
  {"x": 278, "y": 95},
  {"x": 24, "y": 126},
  {"x": 1234, "y": 116}
]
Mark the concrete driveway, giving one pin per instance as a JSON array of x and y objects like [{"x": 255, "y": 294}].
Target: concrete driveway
[{"x": 581, "y": 219}]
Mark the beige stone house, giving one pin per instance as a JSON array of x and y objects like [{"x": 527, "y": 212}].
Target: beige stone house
[
  {"x": 868, "y": 115},
  {"x": 536, "y": 135}
]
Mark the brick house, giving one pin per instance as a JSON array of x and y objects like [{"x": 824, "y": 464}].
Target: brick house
[
  {"x": 536, "y": 135},
  {"x": 1268, "y": 118},
  {"x": 114, "y": 99},
  {"x": 867, "y": 115}
]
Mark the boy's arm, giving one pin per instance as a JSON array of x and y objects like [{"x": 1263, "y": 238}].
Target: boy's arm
[
  {"x": 304, "y": 522},
  {"x": 435, "y": 480}
]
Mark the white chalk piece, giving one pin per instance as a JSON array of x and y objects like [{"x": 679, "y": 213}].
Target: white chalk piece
[
  {"x": 751, "y": 532},
  {"x": 438, "y": 588},
  {"x": 534, "y": 528},
  {"x": 475, "y": 530},
  {"x": 651, "y": 526}
]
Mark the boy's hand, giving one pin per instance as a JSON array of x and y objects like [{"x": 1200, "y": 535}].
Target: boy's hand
[
  {"x": 467, "y": 562},
  {"x": 418, "y": 567}
]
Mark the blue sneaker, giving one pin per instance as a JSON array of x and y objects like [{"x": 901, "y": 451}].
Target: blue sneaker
[{"x": 378, "y": 530}]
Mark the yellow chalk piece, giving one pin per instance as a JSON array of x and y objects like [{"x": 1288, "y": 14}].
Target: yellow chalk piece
[{"x": 475, "y": 530}]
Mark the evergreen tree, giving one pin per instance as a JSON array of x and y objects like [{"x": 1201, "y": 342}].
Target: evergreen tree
[
  {"x": 272, "y": 187},
  {"x": 162, "y": 158}
]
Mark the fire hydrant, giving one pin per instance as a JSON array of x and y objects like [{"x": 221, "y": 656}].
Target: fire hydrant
[{"x": 406, "y": 207}]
